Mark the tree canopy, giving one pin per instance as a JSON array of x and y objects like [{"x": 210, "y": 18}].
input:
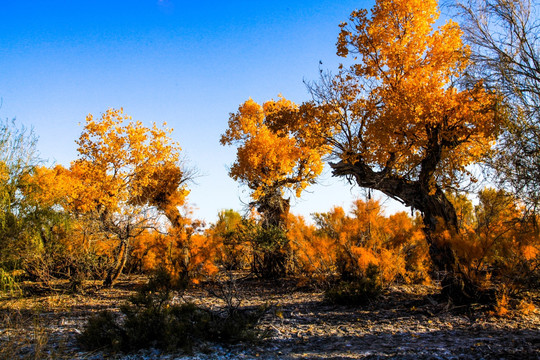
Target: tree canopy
[
  {"x": 128, "y": 171},
  {"x": 272, "y": 155},
  {"x": 397, "y": 110}
]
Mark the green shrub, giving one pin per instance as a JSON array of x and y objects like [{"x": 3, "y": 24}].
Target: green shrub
[
  {"x": 102, "y": 331},
  {"x": 163, "y": 327},
  {"x": 359, "y": 291},
  {"x": 8, "y": 283},
  {"x": 236, "y": 326},
  {"x": 271, "y": 252},
  {"x": 150, "y": 320}
]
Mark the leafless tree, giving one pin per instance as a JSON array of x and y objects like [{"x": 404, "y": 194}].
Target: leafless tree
[{"x": 504, "y": 40}]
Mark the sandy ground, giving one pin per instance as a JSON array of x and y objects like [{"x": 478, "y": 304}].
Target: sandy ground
[{"x": 406, "y": 323}]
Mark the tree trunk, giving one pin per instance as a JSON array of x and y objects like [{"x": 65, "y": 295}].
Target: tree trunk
[
  {"x": 437, "y": 211},
  {"x": 174, "y": 216},
  {"x": 120, "y": 262},
  {"x": 438, "y": 214},
  {"x": 274, "y": 209},
  {"x": 270, "y": 259}
]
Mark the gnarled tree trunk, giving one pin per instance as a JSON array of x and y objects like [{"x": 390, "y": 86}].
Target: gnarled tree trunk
[
  {"x": 274, "y": 209},
  {"x": 438, "y": 213}
]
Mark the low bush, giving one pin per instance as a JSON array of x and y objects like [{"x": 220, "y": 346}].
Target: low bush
[
  {"x": 359, "y": 291},
  {"x": 151, "y": 320},
  {"x": 8, "y": 283}
]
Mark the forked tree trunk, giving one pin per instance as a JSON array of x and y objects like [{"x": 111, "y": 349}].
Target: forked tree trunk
[{"x": 120, "y": 262}]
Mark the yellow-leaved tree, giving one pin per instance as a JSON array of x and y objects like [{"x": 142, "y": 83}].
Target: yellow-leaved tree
[
  {"x": 131, "y": 174},
  {"x": 396, "y": 120},
  {"x": 273, "y": 156}
]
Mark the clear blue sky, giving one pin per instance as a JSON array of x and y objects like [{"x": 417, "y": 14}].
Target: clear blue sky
[{"x": 189, "y": 63}]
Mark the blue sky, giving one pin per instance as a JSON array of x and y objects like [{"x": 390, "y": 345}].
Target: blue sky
[{"x": 183, "y": 62}]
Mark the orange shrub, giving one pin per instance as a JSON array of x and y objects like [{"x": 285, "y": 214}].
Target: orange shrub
[
  {"x": 186, "y": 253},
  {"x": 498, "y": 242},
  {"x": 311, "y": 254},
  {"x": 349, "y": 244}
]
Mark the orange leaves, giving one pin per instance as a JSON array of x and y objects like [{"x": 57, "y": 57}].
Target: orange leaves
[
  {"x": 270, "y": 154},
  {"x": 185, "y": 254},
  {"x": 203, "y": 255},
  {"x": 4, "y": 172},
  {"x": 124, "y": 162},
  {"x": 397, "y": 107},
  {"x": 392, "y": 40},
  {"x": 495, "y": 234},
  {"x": 127, "y": 171},
  {"x": 350, "y": 244},
  {"x": 531, "y": 252},
  {"x": 246, "y": 121},
  {"x": 311, "y": 253},
  {"x": 51, "y": 187}
]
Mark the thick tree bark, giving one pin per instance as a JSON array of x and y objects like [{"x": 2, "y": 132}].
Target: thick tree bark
[
  {"x": 274, "y": 209},
  {"x": 174, "y": 216}
]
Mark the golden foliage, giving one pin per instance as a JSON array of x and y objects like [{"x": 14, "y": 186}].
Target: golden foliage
[
  {"x": 348, "y": 245},
  {"x": 126, "y": 163},
  {"x": 312, "y": 255},
  {"x": 59, "y": 186},
  {"x": 186, "y": 252},
  {"x": 229, "y": 231},
  {"x": 271, "y": 154},
  {"x": 188, "y": 259},
  {"x": 527, "y": 308},
  {"x": 126, "y": 172},
  {"x": 498, "y": 235},
  {"x": 397, "y": 107}
]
